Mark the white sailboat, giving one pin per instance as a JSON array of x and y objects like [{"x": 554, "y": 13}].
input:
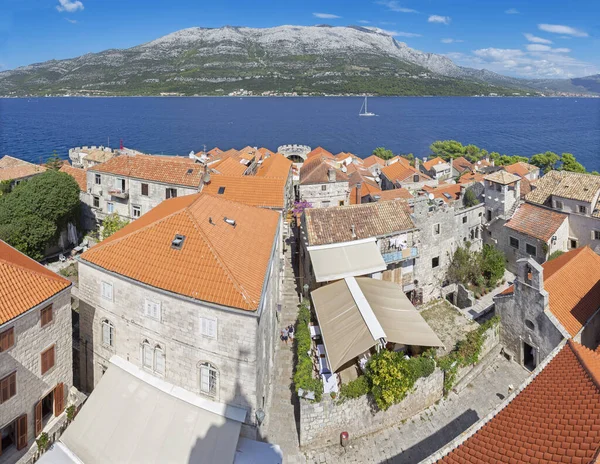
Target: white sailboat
[{"x": 366, "y": 111}]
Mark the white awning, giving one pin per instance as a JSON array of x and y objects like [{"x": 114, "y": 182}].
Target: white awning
[
  {"x": 134, "y": 417},
  {"x": 349, "y": 259}
]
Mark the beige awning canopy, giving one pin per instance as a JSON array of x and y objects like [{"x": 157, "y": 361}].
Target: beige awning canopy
[
  {"x": 333, "y": 262},
  {"x": 355, "y": 313},
  {"x": 134, "y": 417}
]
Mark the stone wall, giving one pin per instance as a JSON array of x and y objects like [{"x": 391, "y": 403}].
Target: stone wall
[
  {"x": 323, "y": 422},
  {"x": 492, "y": 339},
  {"x": 25, "y": 358},
  {"x": 333, "y": 194}
]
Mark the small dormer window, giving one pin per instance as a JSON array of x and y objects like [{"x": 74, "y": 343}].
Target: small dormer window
[
  {"x": 189, "y": 171},
  {"x": 416, "y": 178},
  {"x": 582, "y": 209},
  {"x": 221, "y": 190},
  {"x": 177, "y": 242}
]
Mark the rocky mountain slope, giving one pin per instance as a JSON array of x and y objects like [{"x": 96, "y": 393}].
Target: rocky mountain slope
[{"x": 303, "y": 59}]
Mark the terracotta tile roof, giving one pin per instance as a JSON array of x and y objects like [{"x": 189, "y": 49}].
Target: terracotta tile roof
[
  {"x": 230, "y": 166},
  {"x": 320, "y": 151},
  {"x": 215, "y": 151},
  {"x": 429, "y": 164},
  {"x": 333, "y": 225},
  {"x": 449, "y": 189},
  {"x": 267, "y": 192},
  {"x": 15, "y": 168},
  {"x": 521, "y": 168},
  {"x": 264, "y": 153},
  {"x": 343, "y": 156},
  {"x": 525, "y": 187},
  {"x": 481, "y": 164},
  {"x": 397, "y": 159},
  {"x": 395, "y": 194},
  {"x": 166, "y": 169},
  {"x": 570, "y": 185},
  {"x": 78, "y": 174},
  {"x": 99, "y": 156},
  {"x": 573, "y": 284},
  {"x": 275, "y": 165},
  {"x": 555, "y": 419},
  {"x": 24, "y": 283},
  {"x": 462, "y": 164},
  {"x": 372, "y": 160},
  {"x": 218, "y": 263},
  {"x": 502, "y": 177},
  {"x": 368, "y": 187},
  {"x": 315, "y": 171},
  {"x": 537, "y": 222},
  {"x": 469, "y": 177},
  {"x": 399, "y": 172}
]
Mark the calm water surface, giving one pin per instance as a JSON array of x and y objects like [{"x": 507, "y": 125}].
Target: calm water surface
[{"x": 33, "y": 128}]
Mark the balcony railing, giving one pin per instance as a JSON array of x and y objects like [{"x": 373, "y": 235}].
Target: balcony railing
[
  {"x": 394, "y": 255},
  {"x": 119, "y": 193}
]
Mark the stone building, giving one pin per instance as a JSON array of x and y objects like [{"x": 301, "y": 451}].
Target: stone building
[
  {"x": 188, "y": 293},
  {"x": 322, "y": 183},
  {"x": 437, "y": 168},
  {"x": 524, "y": 170},
  {"x": 87, "y": 157},
  {"x": 15, "y": 170},
  {"x": 131, "y": 185},
  {"x": 460, "y": 166},
  {"x": 36, "y": 369},
  {"x": 502, "y": 195},
  {"x": 401, "y": 174},
  {"x": 551, "y": 302}
]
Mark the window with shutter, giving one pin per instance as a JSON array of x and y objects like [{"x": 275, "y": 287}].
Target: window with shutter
[
  {"x": 7, "y": 339},
  {"x": 8, "y": 387},
  {"x": 145, "y": 190},
  {"x": 108, "y": 333},
  {"x": 47, "y": 359},
  {"x": 46, "y": 315},
  {"x": 22, "y": 431},
  {"x": 208, "y": 327},
  {"x": 159, "y": 360},
  {"x": 208, "y": 379},
  {"x": 59, "y": 399},
  {"x": 38, "y": 418},
  {"x": 106, "y": 291},
  {"x": 152, "y": 309},
  {"x": 146, "y": 355}
]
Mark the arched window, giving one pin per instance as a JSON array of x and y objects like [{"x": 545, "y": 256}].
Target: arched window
[
  {"x": 108, "y": 333},
  {"x": 159, "y": 360},
  {"x": 209, "y": 377},
  {"x": 147, "y": 355}
]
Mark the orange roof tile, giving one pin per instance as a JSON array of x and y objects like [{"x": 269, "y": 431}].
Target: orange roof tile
[
  {"x": 267, "y": 192},
  {"x": 461, "y": 164},
  {"x": 78, "y": 174},
  {"x": 396, "y": 194},
  {"x": 469, "y": 177},
  {"x": 24, "y": 283},
  {"x": 264, "y": 153},
  {"x": 218, "y": 262},
  {"x": 320, "y": 151},
  {"x": 275, "y": 165},
  {"x": 521, "y": 169},
  {"x": 315, "y": 171},
  {"x": 449, "y": 189},
  {"x": 556, "y": 418},
  {"x": 230, "y": 166},
  {"x": 399, "y": 172},
  {"x": 573, "y": 284},
  {"x": 372, "y": 160},
  {"x": 15, "y": 168},
  {"x": 502, "y": 177},
  {"x": 167, "y": 169},
  {"x": 537, "y": 222},
  {"x": 429, "y": 164}
]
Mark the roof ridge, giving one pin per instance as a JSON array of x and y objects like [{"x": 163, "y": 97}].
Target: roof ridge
[{"x": 593, "y": 373}]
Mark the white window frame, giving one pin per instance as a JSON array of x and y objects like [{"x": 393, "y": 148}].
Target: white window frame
[
  {"x": 135, "y": 208},
  {"x": 97, "y": 179},
  {"x": 595, "y": 234},
  {"x": 95, "y": 199},
  {"x": 110, "y": 207},
  {"x": 108, "y": 333},
  {"x": 107, "y": 291},
  {"x": 152, "y": 309},
  {"x": 209, "y": 379},
  {"x": 580, "y": 208},
  {"x": 208, "y": 327},
  {"x": 147, "y": 355},
  {"x": 120, "y": 183},
  {"x": 159, "y": 353}
]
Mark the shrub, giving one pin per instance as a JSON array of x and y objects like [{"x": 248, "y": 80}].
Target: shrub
[
  {"x": 303, "y": 373},
  {"x": 111, "y": 224},
  {"x": 555, "y": 254},
  {"x": 43, "y": 441},
  {"x": 470, "y": 199},
  {"x": 355, "y": 389},
  {"x": 70, "y": 412}
]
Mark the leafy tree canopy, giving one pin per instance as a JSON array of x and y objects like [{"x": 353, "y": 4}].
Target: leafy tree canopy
[
  {"x": 470, "y": 199},
  {"x": 54, "y": 162},
  {"x": 569, "y": 163},
  {"x": 36, "y": 211},
  {"x": 545, "y": 161},
  {"x": 383, "y": 153},
  {"x": 111, "y": 224}
]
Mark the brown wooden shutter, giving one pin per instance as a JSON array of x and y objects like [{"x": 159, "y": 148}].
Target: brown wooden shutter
[
  {"x": 47, "y": 359},
  {"x": 38, "y": 418},
  {"x": 12, "y": 384},
  {"x": 7, "y": 339},
  {"x": 46, "y": 315},
  {"x": 22, "y": 430},
  {"x": 59, "y": 399},
  {"x": 4, "y": 390}
]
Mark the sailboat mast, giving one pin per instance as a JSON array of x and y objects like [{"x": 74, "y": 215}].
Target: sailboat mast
[{"x": 366, "y": 108}]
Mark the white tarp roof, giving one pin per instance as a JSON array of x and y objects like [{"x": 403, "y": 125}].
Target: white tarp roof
[
  {"x": 347, "y": 330},
  {"x": 134, "y": 417},
  {"x": 333, "y": 262}
]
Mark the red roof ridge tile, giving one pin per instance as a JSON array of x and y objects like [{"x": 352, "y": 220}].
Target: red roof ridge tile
[{"x": 590, "y": 360}]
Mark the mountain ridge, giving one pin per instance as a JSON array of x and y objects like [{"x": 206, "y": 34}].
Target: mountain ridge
[{"x": 302, "y": 59}]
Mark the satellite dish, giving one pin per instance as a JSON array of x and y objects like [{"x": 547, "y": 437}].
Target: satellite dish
[{"x": 431, "y": 196}]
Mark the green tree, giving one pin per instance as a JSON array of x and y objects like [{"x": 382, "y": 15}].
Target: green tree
[
  {"x": 463, "y": 268},
  {"x": 391, "y": 378},
  {"x": 5, "y": 186},
  {"x": 545, "y": 161},
  {"x": 569, "y": 163},
  {"x": 54, "y": 162},
  {"x": 383, "y": 153},
  {"x": 111, "y": 224},
  {"x": 493, "y": 264},
  {"x": 36, "y": 211},
  {"x": 470, "y": 199},
  {"x": 447, "y": 149},
  {"x": 410, "y": 157}
]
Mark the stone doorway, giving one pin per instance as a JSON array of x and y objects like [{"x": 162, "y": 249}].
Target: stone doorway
[{"x": 529, "y": 356}]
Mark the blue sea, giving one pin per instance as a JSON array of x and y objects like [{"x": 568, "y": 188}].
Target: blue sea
[{"x": 33, "y": 128}]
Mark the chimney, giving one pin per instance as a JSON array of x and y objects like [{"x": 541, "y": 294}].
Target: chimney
[
  {"x": 358, "y": 193},
  {"x": 353, "y": 230},
  {"x": 331, "y": 175},
  {"x": 417, "y": 163}
]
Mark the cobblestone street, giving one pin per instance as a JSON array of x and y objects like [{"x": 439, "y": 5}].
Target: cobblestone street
[{"x": 425, "y": 433}]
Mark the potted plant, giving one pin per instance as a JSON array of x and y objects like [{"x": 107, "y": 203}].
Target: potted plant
[{"x": 42, "y": 442}]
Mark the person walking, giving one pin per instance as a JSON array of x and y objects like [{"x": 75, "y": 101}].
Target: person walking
[
  {"x": 291, "y": 332},
  {"x": 285, "y": 335}
]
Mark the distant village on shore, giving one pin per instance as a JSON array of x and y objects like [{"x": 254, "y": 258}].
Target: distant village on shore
[{"x": 257, "y": 306}]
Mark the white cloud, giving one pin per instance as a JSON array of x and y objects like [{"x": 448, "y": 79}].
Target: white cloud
[
  {"x": 393, "y": 33},
  {"x": 540, "y": 62},
  {"x": 326, "y": 16},
  {"x": 387, "y": 23},
  {"x": 69, "y": 6},
  {"x": 449, "y": 41},
  {"x": 545, "y": 48},
  {"x": 439, "y": 19},
  {"x": 560, "y": 29},
  {"x": 512, "y": 11},
  {"x": 536, "y": 39},
  {"x": 72, "y": 21},
  {"x": 364, "y": 21},
  {"x": 393, "y": 5}
]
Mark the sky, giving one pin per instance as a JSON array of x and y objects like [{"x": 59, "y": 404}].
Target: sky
[{"x": 535, "y": 39}]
